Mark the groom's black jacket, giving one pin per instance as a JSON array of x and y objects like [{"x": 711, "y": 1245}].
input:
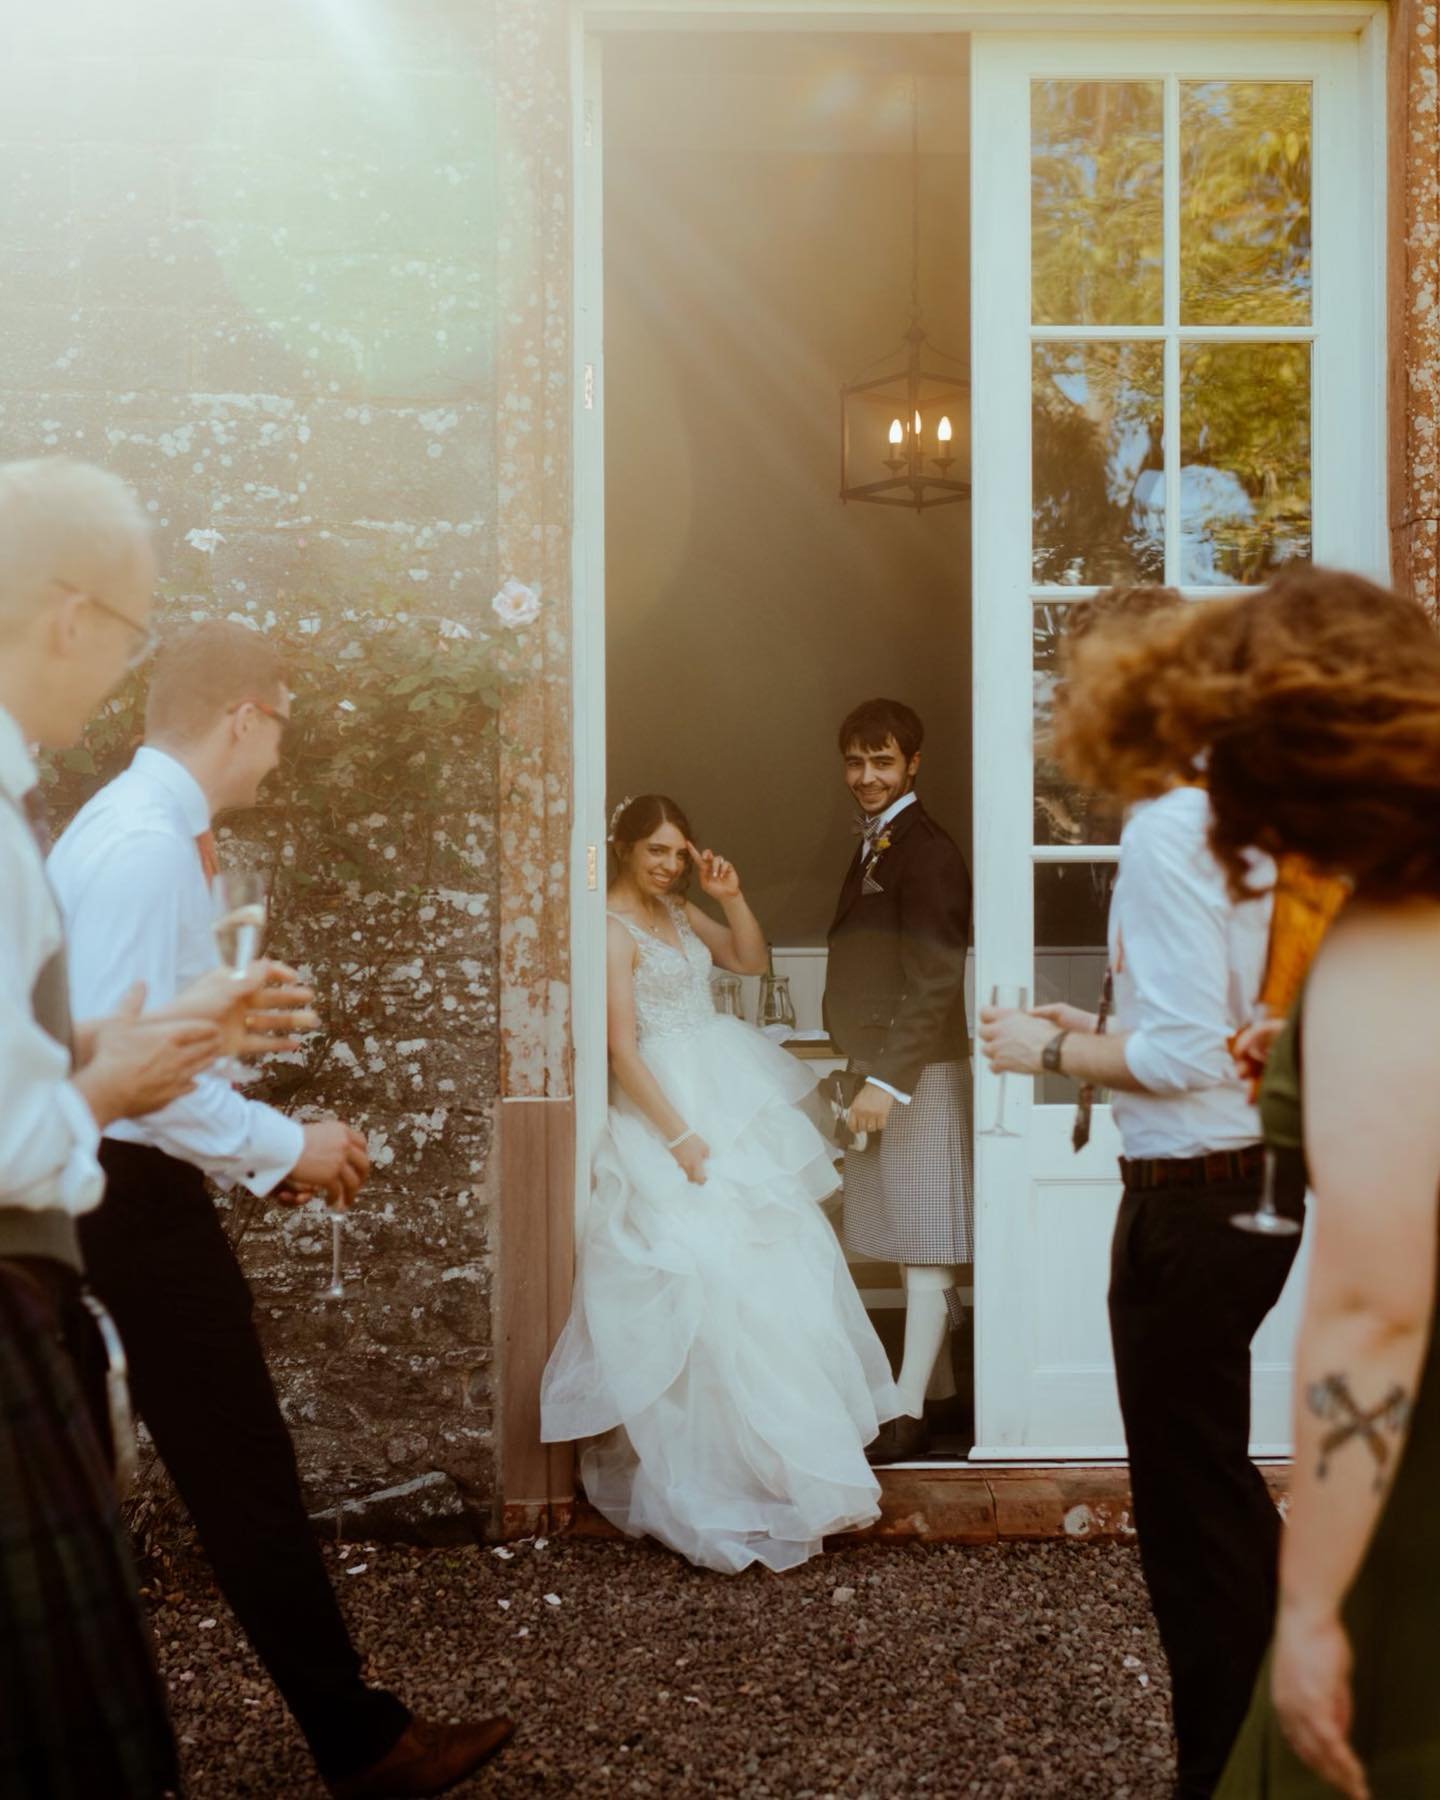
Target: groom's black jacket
[{"x": 895, "y": 984}]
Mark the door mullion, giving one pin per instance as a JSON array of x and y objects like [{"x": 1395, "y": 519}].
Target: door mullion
[{"x": 1171, "y": 286}]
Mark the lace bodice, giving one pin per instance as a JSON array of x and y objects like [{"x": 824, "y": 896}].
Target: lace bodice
[{"x": 672, "y": 987}]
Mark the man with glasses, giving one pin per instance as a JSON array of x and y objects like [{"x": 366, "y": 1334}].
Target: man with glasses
[
  {"x": 1188, "y": 1291},
  {"x": 133, "y": 873}
]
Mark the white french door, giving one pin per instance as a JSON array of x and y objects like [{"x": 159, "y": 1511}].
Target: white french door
[{"x": 1178, "y": 377}]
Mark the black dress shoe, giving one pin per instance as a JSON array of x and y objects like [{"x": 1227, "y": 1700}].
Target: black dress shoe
[{"x": 900, "y": 1440}]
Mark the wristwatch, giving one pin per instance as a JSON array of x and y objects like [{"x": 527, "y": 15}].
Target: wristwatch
[{"x": 1050, "y": 1055}]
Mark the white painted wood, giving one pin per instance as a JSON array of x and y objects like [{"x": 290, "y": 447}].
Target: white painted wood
[
  {"x": 1045, "y": 1383},
  {"x": 587, "y": 905},
  {"x": 1229, "y": 16}
]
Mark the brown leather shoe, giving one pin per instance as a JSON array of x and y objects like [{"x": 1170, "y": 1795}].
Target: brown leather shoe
[{"x": 427, "y": 1759}]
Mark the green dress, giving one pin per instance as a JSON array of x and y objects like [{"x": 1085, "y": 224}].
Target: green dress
[{"x": 1393, "y": 1611}]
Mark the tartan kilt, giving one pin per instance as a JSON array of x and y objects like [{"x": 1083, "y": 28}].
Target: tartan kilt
[
  {"x": 82, "y": 1710},
  {"x": 910, "y": 1198}
]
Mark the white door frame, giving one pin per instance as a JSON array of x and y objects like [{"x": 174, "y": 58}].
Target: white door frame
[{"x": 591, "y": 20}]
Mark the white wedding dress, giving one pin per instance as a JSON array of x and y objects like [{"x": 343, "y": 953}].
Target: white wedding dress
[{"x": 717, "y": 1354}]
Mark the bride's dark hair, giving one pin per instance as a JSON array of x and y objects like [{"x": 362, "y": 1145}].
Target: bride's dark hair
[{"x": 634, "y": 821}]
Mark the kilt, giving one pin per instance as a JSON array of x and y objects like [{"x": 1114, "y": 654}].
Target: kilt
[
  {"x": 910, "y": 1197},
  {"x": 82, "y": 1710}
]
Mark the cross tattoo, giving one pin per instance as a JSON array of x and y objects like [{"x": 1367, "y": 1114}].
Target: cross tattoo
[{"x": 1332, "y": 1400}]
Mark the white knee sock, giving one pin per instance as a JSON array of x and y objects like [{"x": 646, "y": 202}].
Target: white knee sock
[{"x": 927, "y": 1325}]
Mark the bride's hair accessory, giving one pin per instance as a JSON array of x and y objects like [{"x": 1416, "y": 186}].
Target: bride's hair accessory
[{"x": 616, "y": 817}]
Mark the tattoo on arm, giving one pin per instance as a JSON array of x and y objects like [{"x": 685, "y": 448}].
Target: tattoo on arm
[{"x": 1331, "y": 1401}]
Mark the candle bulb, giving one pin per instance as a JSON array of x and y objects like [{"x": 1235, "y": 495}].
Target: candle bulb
[
  {"x": 897, "y": 432},
  {"x": 917, "y": 425},
  {"x": 945, "y": 432}
]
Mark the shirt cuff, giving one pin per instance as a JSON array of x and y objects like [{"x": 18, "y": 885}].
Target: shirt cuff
[
  {"x": 272, "y": 1150},
  {"x": 875, "y": 1081},
  {"x": 81, "y": 1186}
]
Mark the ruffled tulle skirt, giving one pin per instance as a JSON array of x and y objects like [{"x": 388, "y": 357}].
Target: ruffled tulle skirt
[{"x": 717, "y": 1353}]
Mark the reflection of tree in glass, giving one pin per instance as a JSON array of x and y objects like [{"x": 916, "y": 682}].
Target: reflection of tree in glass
[
  {"x": 1245, "y": 203},
  {"x": 1244, "y": 460},
  {"x": 1065, "y": 813},
  {"x": 1096, "y": 202},
  {"x": 1098, "y": 461}
]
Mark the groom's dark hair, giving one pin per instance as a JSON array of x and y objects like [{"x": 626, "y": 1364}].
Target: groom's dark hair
[{"x": 872, "y": 724}]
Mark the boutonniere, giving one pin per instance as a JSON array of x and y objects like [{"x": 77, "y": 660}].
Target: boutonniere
[{"x": 870, "y": 885}]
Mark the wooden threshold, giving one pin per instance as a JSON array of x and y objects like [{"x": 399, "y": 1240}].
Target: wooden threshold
[{"x": 975, "y": 1505}]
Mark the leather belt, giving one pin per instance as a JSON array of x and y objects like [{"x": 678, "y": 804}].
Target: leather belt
[{"x": 1213, "y": 1169}]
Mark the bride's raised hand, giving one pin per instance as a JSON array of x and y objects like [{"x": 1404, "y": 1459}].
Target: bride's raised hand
[{"x": 717, "y": 877}]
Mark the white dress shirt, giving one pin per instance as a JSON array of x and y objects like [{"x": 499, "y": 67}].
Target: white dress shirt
[
  {"x": 1188, "y": 963},
  {"x": 877, "y": 830},
  {"x": 137, "y": 908},
  {"x": 48, "y": 1135}
]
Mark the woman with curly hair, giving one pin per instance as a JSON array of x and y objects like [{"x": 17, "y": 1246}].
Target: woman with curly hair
[{"x": 1314, "y": 709}]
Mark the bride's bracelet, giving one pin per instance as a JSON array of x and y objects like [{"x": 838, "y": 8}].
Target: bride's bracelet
[{"x": 675, "y": 1143}]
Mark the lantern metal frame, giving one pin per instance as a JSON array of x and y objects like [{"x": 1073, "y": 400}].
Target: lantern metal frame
[
  {"x": 908, "y": 386},
  {"x": 907, "y": 393}
]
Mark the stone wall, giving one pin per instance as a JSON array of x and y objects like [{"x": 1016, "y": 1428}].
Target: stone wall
[
  {"x": 1414, "y": 395},
  {"x": 249, "y": 259}
]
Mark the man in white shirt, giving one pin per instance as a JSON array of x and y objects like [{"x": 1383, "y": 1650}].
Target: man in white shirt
[
  {"x": 82, "y": 1709},
  {"x": 1187, "y": 1290},
  {"x": 132, "y": 872}
]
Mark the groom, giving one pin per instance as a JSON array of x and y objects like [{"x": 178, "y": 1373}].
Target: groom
[{"x": 895, "y": 1008}]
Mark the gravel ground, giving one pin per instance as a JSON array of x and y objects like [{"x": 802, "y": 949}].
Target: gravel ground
[{"x": 1014, "y": 1672}]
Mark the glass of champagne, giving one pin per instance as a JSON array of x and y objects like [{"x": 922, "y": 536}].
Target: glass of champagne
[
  {"x": 1267, "y": 1220},
  {"x": 1008, "y": 999},
  {"x": 336, "y": 1289},
  {"x": 241, "y": 908}
]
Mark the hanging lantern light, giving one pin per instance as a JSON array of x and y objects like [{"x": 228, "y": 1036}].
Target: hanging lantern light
[{"x": 907, "y": 403}]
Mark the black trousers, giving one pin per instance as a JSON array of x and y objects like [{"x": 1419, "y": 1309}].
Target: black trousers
[
  {"x": 1187, "y": 1294},
  {"x": 157, "y": 1256}
]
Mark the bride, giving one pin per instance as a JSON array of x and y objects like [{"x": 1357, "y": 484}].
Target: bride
[{"x": 717, "y": 1353}]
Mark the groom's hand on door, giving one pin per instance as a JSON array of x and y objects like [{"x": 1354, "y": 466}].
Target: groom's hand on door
[{"x": 871, "y": 1109}]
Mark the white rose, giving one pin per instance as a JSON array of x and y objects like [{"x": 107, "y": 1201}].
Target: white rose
[{"x": 516, "y": 605}]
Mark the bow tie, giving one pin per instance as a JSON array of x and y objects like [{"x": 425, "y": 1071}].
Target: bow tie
[{"x": 869, "y": 829}]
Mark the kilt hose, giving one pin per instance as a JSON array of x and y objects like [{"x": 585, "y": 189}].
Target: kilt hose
[{"x": 82, "y": 1709}]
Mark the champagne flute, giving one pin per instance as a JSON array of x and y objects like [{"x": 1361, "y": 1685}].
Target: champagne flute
[
  {"x": 1008, "y": 999},
  {"x": 241, "y": 908},
  {"x": 1267, "y": 1220},
  {"x": 336, "y": 1289}
]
